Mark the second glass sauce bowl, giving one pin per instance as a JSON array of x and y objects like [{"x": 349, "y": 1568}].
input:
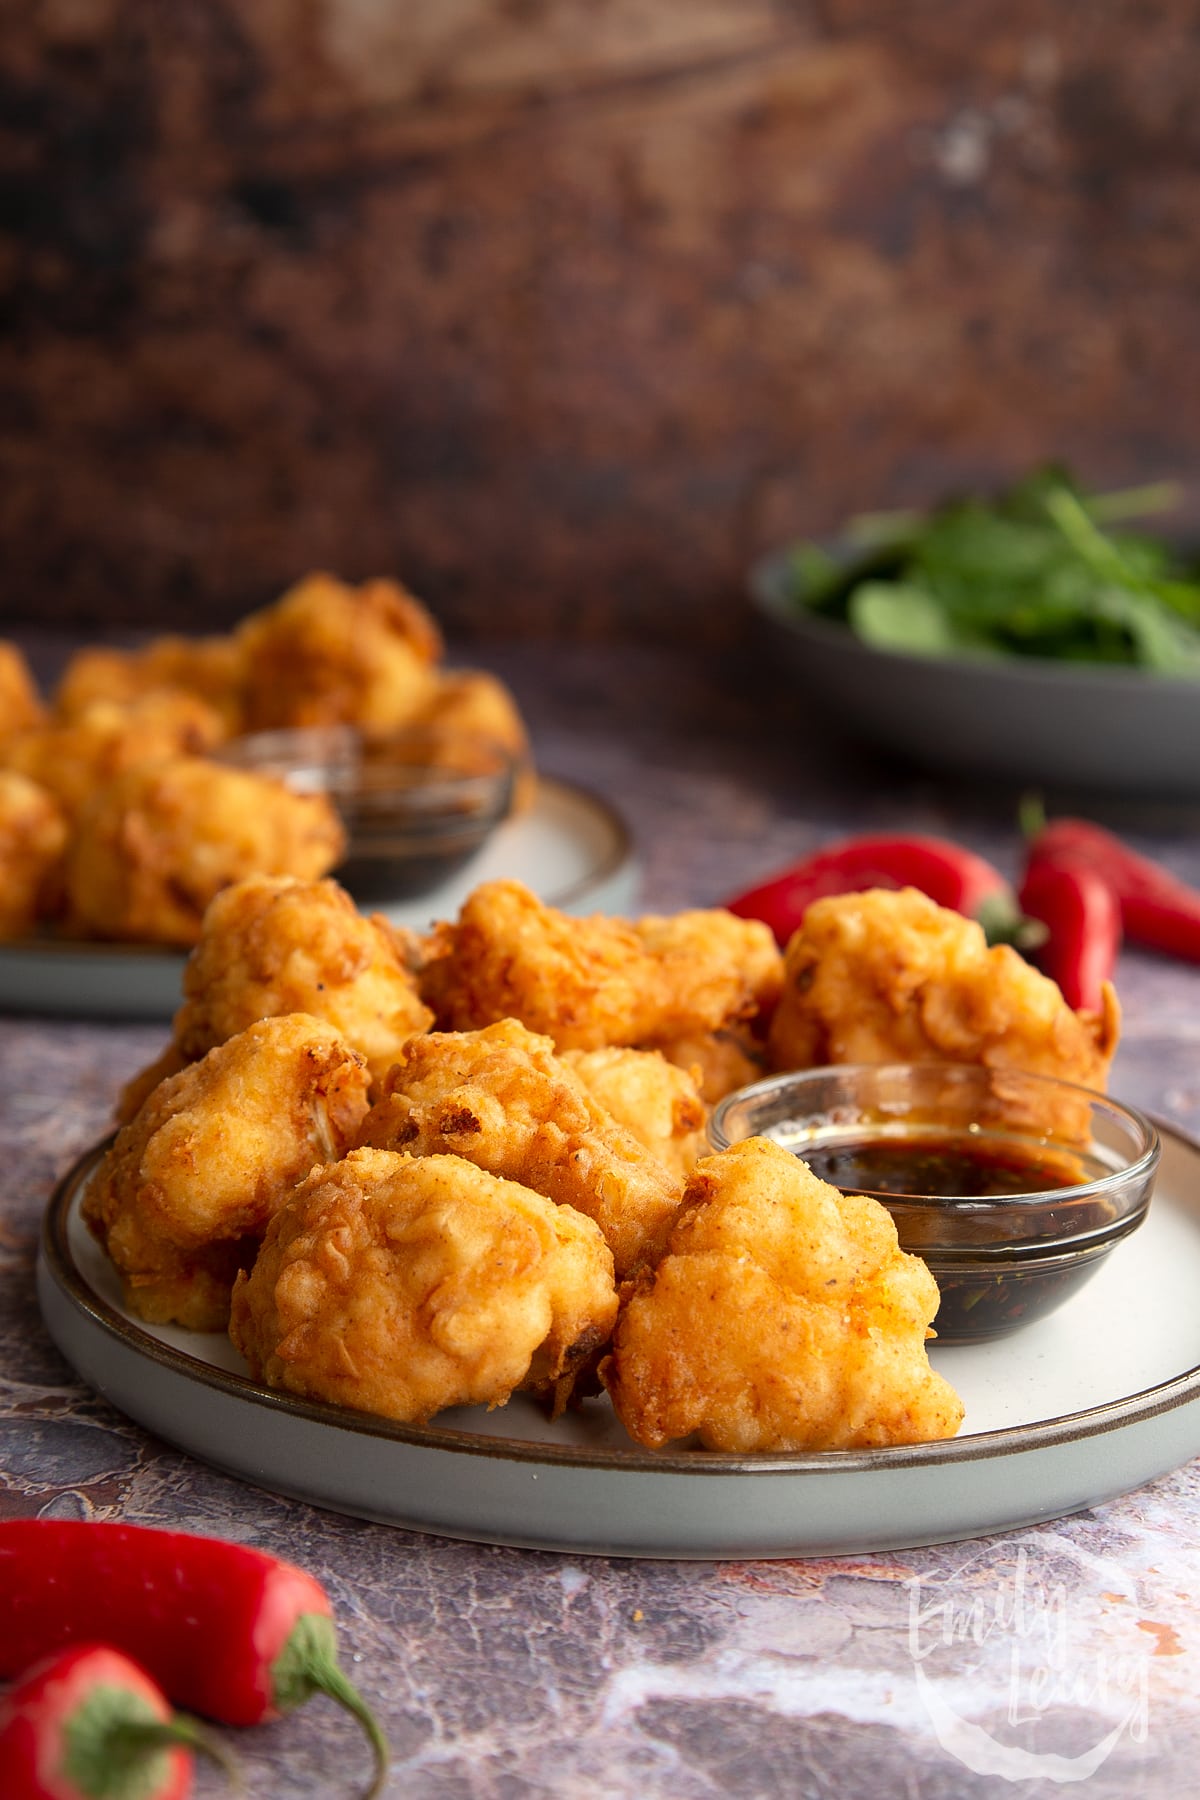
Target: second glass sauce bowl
[
  {"x": 1012, "y": 1187},
  {"x": 417, "y": 805}
]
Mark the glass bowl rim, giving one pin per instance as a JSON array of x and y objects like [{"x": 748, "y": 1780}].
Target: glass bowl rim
[{"x": 1141, "y": 1167}]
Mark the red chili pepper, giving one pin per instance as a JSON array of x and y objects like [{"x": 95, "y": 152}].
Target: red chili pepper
[
  {"x": 89, "y": 1724},
  {"x": 1083, "y": 920},
  {"x": 1157, "y": 909},
  {"x": 950, "y": 875},
  {"x": 226, "y": 1630}
]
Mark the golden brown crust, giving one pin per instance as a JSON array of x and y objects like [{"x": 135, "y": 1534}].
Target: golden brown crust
[
  {"x": 74, "y": 761},
  {"x": 156, "y": 845},
  {"x": 723, "y": 1060},
  {"x": 20, "y": 702},
  {"x": 470, "y": 703},
  {"x": 188, "y": 1186},
  {"x": 501, "y": 1098},
  {"x": 209, "y": 668},
  {"x": 331, "y": 654},
  {"x": 273, "y": 944},
  {"x": 651, "y": 1097},
  {"x": 887, "y": 976},
  {"x": 784, "y": 1317},
  {"x": 401, "y": 1286},
  {"x": 591, "y": 982},
  {"x": 33, "y": 836}
]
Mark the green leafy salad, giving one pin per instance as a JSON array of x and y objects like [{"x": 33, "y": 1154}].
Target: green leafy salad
[{"x": 1046, "y": 570}]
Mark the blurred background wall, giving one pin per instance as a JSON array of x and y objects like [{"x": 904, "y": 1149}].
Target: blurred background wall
[{"x": 560, "y": 309}]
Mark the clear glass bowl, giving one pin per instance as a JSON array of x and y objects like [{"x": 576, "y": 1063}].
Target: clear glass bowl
[
  {"x": 1012, "y": 1187},
  {"x": 417, "y": 805}
]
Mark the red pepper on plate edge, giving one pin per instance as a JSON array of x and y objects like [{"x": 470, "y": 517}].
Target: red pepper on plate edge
[
  {"x": 226, "y": 1630},
  {"x": 89, "y": 1724},
  {"x": 947, "y": 873}
]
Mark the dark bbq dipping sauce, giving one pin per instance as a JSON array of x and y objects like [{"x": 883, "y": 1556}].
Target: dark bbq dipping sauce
[
  {"x": 945, "y": 1164},
  {"x": 986, "y": 1295}
]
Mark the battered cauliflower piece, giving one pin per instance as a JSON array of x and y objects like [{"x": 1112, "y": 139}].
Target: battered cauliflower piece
[
  {"x": 401, "y": 1285},
  {"x": 886, "y": 976},
  {"x": 207, "y": 667},
  {"x": 722, "y": 1060},
  {"x": 20, "y": 703},
  {"x": 186, "y": 1189},
  {"x": 75, "y": 760},
  {"x": 271, "y": 945},
  {"x": 275, "y": 945},
  {"x": 784, "y": 1317},
  {"x": 329, "y": 654},
  {"x": 651, "y": 1097},
  {"x": 470, "y": 703},
  {"x": 596, "y": 981},
  {"x": 156, "y": 845},
  {"x": 33, "y": 834},
  {"x": 501, "y": 1098}
]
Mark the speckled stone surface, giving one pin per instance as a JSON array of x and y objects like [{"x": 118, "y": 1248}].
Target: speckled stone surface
[{"x": 1012, "y": 1665}]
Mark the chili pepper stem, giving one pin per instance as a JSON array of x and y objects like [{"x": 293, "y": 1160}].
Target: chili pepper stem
[
  {"x": 112, "y": 1736},
  {"x": 308, "y": 1664},
  {"x": 1005, "y": 924}
]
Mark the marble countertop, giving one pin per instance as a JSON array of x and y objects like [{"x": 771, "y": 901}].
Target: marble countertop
[{"x": 1014, "y": 1664}]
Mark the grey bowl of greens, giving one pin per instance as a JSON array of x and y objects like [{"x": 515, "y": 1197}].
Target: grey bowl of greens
[{"x": 1036, "y": 637}]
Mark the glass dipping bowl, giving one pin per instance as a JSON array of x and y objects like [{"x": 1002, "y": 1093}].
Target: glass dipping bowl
[
  {"x": 1068, "y": 1173},
  {"x": 417, "y": 805}
]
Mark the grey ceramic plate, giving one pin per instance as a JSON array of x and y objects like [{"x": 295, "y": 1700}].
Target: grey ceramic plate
[
  {"x": 571, "y": 848},
  {"x": 1093, "y": 1401},
  {"x": 1029, "y": 721}
]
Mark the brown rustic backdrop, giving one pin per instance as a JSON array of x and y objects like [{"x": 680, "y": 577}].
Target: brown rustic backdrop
[{"x": 562, "y": 308}]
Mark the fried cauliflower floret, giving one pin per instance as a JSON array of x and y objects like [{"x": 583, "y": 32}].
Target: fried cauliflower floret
[
  {"x": 501, "y": 1098},
  {"x": 156, "y": 845},
  {"x": 208, "y": 667},
  {"x": 271, "y": 945},
  {"x": 886, "y": 976},
  {"x": 470, "y": 703},
  {"x": 75, "y": 760},
  {"x": 329, "y": 654},
  {"x": 20, "y": 703},
  {"x": 402, "y": 1285},
  {"x": 33, "y": 834},
  {"x": 727, "y": 1059},
  {"x": 651, "y": 1097},
  {"x": 596, "y": 981},
  {"x": 274, "y": 945},
  {"x": 186, "y": 1190},
  {"x": 784, "y": 1317}
]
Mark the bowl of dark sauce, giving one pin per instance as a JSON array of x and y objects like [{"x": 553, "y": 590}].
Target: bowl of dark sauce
[
  {"x": 417, "y": 805},
  {"x": 1012, "y": 1187}
]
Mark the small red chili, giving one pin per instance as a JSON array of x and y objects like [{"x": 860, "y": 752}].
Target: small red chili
[
  {"x": 1083, "y": 920},
  {"x": 1157, "y": 909},
  {"x": 226, "y": 1630},
  {"x": 89, "y": 1724},
  {"x": 947, "y": 873}
]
